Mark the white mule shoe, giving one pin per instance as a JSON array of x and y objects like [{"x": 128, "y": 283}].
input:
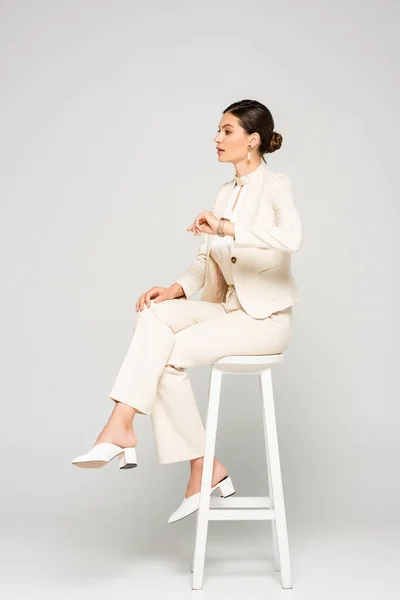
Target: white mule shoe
[
  {"x": 103, "y": 453},
  {"x": 191, "y": 504}
]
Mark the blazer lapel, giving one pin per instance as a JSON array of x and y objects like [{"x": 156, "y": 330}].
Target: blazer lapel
[
  {"x": 249, "y": 207},
  {"x": 224, "y": 198}
]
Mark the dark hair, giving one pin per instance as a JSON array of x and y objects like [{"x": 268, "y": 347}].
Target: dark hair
[{"x": 255, "y": 117}]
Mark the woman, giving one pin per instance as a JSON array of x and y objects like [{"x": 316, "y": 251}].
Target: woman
[{"x": 245, "y": 308}]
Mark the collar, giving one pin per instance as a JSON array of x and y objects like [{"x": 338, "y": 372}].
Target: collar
[{"x": 243, "y": 179}]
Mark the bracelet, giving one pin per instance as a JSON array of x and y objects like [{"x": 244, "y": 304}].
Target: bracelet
[{"x": 221, "y": 226}]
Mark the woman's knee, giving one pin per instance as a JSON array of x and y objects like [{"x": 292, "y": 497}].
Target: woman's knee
[{"x": 164, "y": 310}]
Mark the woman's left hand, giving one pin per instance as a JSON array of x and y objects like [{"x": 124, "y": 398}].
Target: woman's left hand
[{"x": 205, "y": 222}]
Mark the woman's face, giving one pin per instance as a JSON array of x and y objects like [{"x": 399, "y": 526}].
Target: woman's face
[{"x": 231, "y": 139}]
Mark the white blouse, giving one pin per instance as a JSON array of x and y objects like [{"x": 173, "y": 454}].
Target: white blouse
[{"x": 220, "y": 248}]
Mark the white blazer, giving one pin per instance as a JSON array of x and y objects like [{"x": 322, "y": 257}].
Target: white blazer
[{"x": 267, "y": 232}]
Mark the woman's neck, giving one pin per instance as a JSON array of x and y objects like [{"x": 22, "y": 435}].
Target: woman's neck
[{"x": 245, "y": 168}]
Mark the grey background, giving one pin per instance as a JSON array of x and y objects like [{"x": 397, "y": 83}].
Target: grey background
[{"x": 108, "y": 113}]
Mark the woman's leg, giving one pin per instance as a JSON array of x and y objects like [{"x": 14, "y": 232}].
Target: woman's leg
[{"x": 136, "y": 387}]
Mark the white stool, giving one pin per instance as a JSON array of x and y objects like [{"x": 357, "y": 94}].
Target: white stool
[{"x": 271, "y": 507}]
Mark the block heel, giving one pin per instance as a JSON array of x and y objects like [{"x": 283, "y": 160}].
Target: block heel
[
  {"x": 225, "y": 487},
  {"x": 127, "y": 460}
]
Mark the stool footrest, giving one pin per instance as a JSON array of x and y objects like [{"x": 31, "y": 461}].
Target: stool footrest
[
  {"x": 242, "y": 514},
  {"x": 240, "y": 502},
  {"x": 246, "y": 508}
]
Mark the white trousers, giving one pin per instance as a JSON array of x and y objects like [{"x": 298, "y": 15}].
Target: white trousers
[{"x": 172, "y": 336}]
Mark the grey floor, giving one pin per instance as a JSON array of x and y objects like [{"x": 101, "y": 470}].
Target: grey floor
[{"x": 60, "y": 558}]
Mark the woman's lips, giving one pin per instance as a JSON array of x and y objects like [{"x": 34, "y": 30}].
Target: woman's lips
[{"x": 220, "y": 150}]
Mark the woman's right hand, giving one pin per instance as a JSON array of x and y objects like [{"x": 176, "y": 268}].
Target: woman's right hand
[{"x": 159, "y": 293}]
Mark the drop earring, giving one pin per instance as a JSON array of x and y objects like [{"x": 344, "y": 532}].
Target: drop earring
[{"x": 248, "y": 153}]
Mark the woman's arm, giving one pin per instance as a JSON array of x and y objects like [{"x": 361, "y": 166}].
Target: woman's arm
[{"x": 285, "y": 236}]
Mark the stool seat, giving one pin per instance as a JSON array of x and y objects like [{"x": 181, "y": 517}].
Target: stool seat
[
  {"x": 263, "y": 508},
  {"x": 247, "y": 364}
]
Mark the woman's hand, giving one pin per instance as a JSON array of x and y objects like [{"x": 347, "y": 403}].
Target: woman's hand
[
  {"x": 205, "y": 222},
  {"x": 159, "y": 293}
]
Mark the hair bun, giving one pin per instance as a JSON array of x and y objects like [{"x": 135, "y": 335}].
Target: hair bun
[{"x": 275, "y": 142}]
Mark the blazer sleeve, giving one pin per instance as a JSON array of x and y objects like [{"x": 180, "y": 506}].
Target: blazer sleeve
[
  {"x": 286, "y": 235},
  {"x": 193, "y": 279}
]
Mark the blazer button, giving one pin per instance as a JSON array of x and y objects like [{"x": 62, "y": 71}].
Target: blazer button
[{"x": 233, "y": 259}]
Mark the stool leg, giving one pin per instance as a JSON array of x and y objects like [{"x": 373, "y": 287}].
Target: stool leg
[
  {"x": 206, "y": 479},
  {"x": 276, "y": 477},
  {"x": 194, "y": 545},
  {"x": 271, "y": 497}
]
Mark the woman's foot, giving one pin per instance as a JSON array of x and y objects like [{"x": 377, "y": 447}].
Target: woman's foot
[
  {"x": 117, "y": 434},
  {"x": 119, "y": 429},
  {"x": 194, "y": 485}
]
